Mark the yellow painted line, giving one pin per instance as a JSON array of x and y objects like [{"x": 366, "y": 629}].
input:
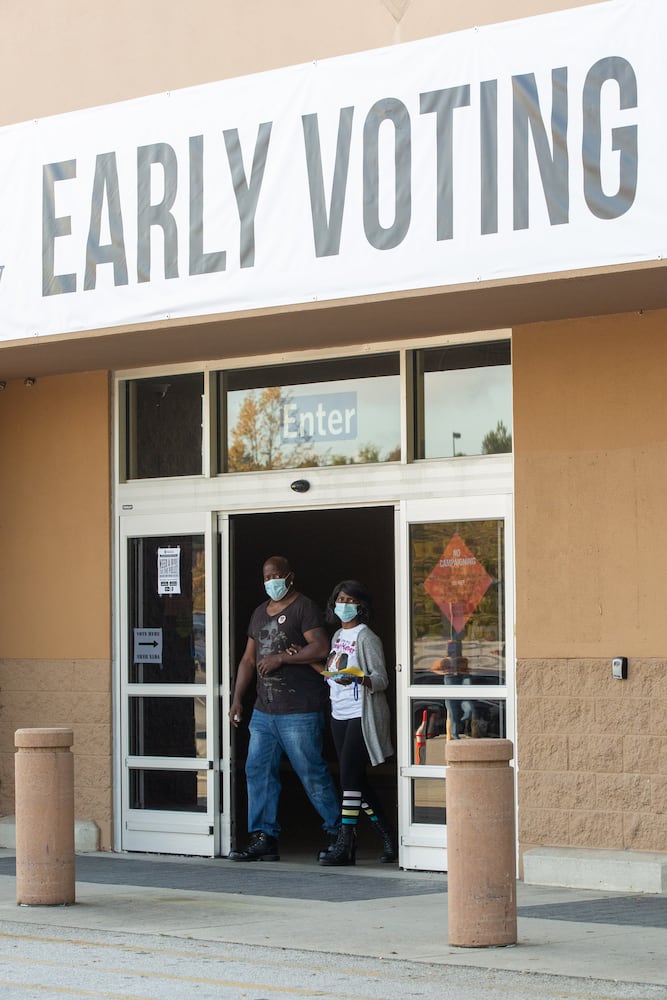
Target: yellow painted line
[
  {"x": 236, "y": 983},
  {"x": 70, "y": 991},
  {"x": 201, "y": 954},
  {"x": 509, "y": 988},
  {"x": 80, "y": 941},
  {"x": 166, "y": 977},
  {"x": 159, "y": 977},
  {"x": 116, "y": 970}
]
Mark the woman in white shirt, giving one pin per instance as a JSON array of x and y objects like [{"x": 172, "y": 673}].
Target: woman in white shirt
[{"x": 359, "y": 717}]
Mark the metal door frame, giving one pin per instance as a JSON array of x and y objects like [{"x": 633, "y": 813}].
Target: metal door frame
[
  {"x": 425, "y": 847},
  {"x": 168, "y": 831}
]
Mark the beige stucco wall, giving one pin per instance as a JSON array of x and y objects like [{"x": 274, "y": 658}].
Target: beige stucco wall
[
  {"x": 590, "y": 431},
  {"x": 91, "y": 54},
  {"x": 55, "y": 589}
]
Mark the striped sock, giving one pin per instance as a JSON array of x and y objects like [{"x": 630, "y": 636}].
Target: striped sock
[
  {"x": 370, "y": 812},
  {"x": 351, "y": 808}
]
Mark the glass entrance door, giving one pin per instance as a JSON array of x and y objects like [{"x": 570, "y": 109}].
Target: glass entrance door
[
  {"x": 169, "y": 732},
  {"x": 457, "y": 654}
]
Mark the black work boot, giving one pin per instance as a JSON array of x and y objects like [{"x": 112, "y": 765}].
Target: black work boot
[
  {"x": 331, "y": 843},
  {"x": 389, "y": 847},
  {"x": 260, "y": 847},
  {"x": 344, "y": 850}
]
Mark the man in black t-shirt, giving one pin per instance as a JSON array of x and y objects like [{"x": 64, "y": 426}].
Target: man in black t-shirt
[{"x": 287, "y": 643}]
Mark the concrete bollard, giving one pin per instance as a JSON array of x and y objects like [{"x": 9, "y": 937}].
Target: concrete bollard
[
  {"x": 44, "y": 772},
  {"x": 481, "y": 850}
]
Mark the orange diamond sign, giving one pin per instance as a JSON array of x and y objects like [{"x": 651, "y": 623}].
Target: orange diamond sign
[{"x": 457, "y": 583}]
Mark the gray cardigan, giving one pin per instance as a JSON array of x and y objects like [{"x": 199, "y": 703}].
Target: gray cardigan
[{"x": 375, "y": 723}]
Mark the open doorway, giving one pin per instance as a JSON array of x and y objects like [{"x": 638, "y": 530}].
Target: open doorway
[{"x": 323, "y": 547}]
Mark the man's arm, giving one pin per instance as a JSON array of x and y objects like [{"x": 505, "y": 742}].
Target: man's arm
[
  {"x": 244, "y": 677},
  {"x": 313, "y": 653}
]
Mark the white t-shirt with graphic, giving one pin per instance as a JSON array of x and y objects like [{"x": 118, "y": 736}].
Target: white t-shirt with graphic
[{"x": 345, "y": 698}]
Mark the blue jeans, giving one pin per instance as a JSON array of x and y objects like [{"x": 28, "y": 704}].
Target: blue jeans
[{"x": 299, "y": 736}]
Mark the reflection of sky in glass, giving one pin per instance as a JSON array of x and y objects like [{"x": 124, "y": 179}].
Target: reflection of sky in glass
[
  {"x": 469, "y": 402},
  {"x": 378, "y": 418}
]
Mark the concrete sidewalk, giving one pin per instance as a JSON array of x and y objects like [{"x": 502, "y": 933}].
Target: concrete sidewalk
[{"x": 400, "y": 915}]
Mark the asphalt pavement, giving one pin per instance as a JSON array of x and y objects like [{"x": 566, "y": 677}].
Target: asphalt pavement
[{"x": 149, "y": 925}]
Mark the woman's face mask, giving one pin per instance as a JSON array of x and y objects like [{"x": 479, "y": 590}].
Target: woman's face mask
[
  {"x": 276, "y": 589},
  {"x": 346, "y": 612}
]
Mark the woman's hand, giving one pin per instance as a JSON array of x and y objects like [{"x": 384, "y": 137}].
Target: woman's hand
[{"x": 364, "y": 682}]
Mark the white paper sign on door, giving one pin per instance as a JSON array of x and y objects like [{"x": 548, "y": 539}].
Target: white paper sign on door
[
  {"x": 169, "y": 570},
  {"x": 148, "y": 645}
]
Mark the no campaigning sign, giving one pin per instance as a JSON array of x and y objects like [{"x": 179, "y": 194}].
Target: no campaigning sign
[{"x": 457, "y": 583}]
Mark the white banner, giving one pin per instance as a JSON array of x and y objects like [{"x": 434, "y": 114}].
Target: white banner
[{"x": 528, "y": 147}]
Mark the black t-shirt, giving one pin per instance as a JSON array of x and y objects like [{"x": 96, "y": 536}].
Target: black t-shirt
[{"x": 294, "y": 687}]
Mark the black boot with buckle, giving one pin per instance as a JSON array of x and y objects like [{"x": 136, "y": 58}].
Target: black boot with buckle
[
  {"x": 260, "y": 847},
  {"x": 344, "y": 850},
  {"x": 389, "y": 848}
]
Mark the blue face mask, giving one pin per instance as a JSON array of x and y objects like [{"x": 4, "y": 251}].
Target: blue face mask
[
  {"x": 346, "y": 612},
  {"x": 276, "y": 589}
]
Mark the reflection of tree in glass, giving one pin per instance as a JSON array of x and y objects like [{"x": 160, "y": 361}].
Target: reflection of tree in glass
[
  {"x": 366, "y": 453},
  {"x": 198, "y": 577},
  {"x": 255, "y": 441},
  {"x": 255, "y": 438},
  {"x": 497, "y": 442}
]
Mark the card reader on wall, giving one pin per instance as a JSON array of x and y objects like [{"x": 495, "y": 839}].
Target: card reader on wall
[{"x": 619, "y": 668}]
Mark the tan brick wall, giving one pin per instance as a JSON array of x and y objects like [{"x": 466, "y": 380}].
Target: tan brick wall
[
  {"x": 592, "y": 754},
  {"x": 75, "y": 694}
]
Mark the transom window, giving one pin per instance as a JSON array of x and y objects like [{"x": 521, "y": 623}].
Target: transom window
[
  {"x": 463, "y": 399},
  {"x": 341, "y": 411},
  {"x": 163, "y": 419},
  {"x": 338, "y": 412}
]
